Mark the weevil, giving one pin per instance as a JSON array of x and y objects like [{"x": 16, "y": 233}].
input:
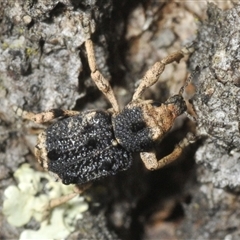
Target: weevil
[{"x": 84, "y": 146}]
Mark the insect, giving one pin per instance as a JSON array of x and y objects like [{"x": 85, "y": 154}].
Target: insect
[{"x": 83, "y": 147}]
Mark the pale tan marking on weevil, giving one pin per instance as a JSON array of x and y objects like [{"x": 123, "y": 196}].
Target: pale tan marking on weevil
[
  {"x": 41, "y": 151},
  {"x": 158, "y": 119}
]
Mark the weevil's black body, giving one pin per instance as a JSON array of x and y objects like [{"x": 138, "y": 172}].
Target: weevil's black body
[
  {"x": 95, "y": 144},
  {"x": 86, "y": 146},
  {"x": 82, "y": 148}
]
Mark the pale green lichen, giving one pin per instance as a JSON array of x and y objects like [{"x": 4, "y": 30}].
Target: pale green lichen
[
  {"x": 31, "y": 52},
  {"x": 29, "y": 200},
  {"x": 60, "y": 224}
]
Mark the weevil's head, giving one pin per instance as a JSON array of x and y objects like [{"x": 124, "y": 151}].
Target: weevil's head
[{"x": 176, "y": 104}]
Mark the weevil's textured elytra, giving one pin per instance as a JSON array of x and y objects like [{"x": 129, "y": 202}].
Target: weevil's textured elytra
[{"x": 82, "y": 147}]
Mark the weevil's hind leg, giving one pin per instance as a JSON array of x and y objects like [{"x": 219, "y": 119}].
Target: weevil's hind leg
[
  {"x": 63, "y": 199},
  {"x": 55, "y": 202},
  {"x": 102, "y": 84},
  {"x": 150, "y": 160},
  {"x": 153, "y": 74},
  {"x": 44, "y": 117}
]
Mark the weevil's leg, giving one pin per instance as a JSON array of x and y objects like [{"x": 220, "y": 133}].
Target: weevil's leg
[
  {"x": 153, "y": 74},
  {"x": 44, "y": 117},
  {"x": 150, "y": 159},
  {"x": 61, "y": 200},
  {"x": 102, "y": 84}
]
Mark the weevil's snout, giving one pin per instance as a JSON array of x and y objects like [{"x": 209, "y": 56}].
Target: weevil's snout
[{"x": 177, "y": 104}]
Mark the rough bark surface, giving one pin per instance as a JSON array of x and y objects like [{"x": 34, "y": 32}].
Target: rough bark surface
[
  {"x": 217, "y": 100},
  {"x": 214, "y": 210},
  {"x": 43, "y": 65}
]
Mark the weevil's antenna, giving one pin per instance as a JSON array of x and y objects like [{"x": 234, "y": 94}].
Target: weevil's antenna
[
  {"x": 181, "y": 91},
  {"x": 189, "y": 80}
]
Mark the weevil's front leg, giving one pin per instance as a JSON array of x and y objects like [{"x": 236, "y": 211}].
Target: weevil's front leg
[
  {"x": 44, "y": 117},
  {"x": 150, "y": 159},
  {"x": 102, "y": 84},
  {"x": 153, "y": 74}
]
